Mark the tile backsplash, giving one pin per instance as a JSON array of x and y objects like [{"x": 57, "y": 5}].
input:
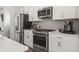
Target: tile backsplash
[{"x": 51, "y": 24}]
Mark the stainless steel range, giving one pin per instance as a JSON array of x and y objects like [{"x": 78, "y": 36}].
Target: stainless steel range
[{"x": 41, "y": 40}]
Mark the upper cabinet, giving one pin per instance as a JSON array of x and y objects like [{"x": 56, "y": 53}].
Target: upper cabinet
[
  {"x": 58, "y": 12},
  {"x": 32, "y": 11},
  {"x": 77, "y": 11},
  {"x": 65, "y": 12},
  {"x": 69, "y": 12}
]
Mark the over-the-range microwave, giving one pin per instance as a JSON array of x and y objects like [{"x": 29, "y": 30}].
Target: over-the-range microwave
[{"x": 45, "y": 12}]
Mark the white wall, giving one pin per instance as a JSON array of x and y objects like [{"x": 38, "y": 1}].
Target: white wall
[
  {"x": 7, "y": 17},
  {"x": 6, "y": 22},
  {"x": 1, "y": 12},
  {"x": 12, "y": 19}
]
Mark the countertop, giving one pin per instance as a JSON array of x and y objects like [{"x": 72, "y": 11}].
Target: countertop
[
  {"x": 9, "y": 45},
  {"x": 65, "y": 34}
]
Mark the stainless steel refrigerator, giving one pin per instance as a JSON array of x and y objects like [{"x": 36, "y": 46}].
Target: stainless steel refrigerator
[{"x": 21, "y": 23}]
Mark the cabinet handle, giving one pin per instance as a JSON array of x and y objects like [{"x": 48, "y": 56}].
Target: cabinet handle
[{"x": 59, "y": 44}]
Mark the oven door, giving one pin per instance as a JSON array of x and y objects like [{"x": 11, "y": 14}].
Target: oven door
[{"x": 40, "y": 42}]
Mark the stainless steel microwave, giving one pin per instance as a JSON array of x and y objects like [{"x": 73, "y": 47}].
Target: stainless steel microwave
[{"x": 45, "y": 12}]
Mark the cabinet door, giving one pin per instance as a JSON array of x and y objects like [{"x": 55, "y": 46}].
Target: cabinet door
[
  {"x": 58, "y": 12},
  {"x": 34, "y": 13},
  {"x": 68, "y": 47},
  {"x": 28, "y": 38},
  {"x": 54, "y": 44},
  {"x": 69, "y": 12},
  {"x": 77, "y": 11},
  {"x": 30, "y": 12},
  {"x": 64, "y": 12}
]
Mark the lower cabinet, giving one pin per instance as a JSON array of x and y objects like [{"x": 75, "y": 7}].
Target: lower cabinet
[
  {"x": 28, "y": 38},
  {"x": 60, "y": 44},
  {"x": 53, "y": 46}
]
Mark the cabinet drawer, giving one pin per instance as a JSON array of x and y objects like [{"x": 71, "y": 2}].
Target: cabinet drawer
[
  {"x": 68, "y": 47},
  {"x": 71, "y": 39},
  {"x": 65, "y": 37},
  {"x": 27, "y": 37},
  {"x": 62, "y": 46},
  {"x": 27, "y": 32}
]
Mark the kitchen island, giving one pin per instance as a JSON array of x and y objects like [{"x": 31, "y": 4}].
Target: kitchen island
[{"x": 8, "y": 45}]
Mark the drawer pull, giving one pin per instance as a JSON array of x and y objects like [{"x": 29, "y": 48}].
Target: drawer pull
[{"x": 59, "y": 44}]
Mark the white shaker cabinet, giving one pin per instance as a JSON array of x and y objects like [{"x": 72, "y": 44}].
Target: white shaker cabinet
[
  {"x": 77, "y": 12},
  {"x": 53, "y": 44},
  {"x": 33, "y": 12},
  {"x": 28, "y": 38},
  {"x": 63, "y": 43},
  {"x": 64, "y": 12},
  {"x": 58, "y": 13},
  {"x": 69, "y": 12}
]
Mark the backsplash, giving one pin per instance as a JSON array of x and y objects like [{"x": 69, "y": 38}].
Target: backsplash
[{"x": 51, "y": 24}]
